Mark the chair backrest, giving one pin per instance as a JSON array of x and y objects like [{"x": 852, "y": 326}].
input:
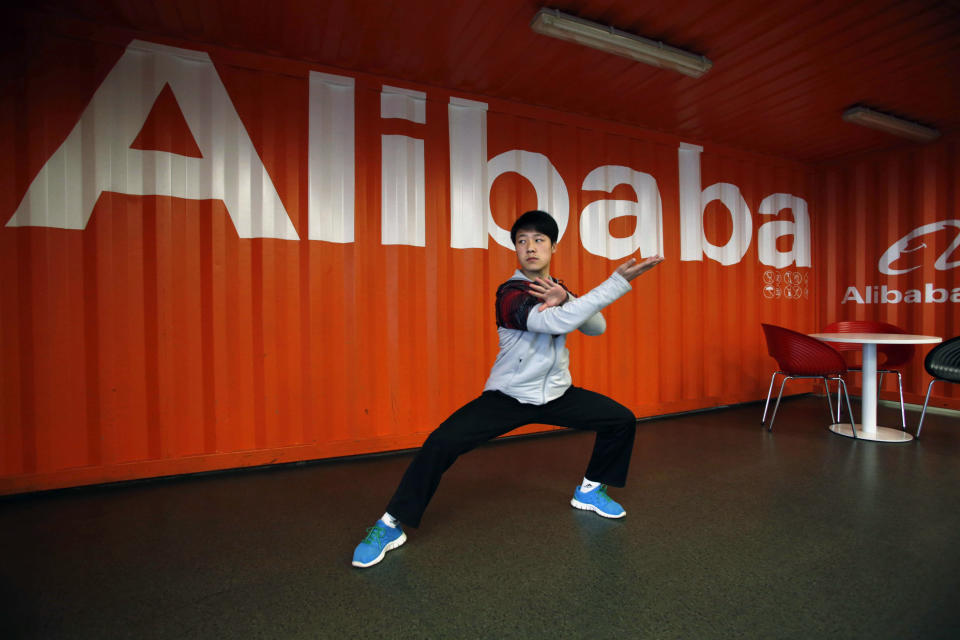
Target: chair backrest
[
  {"x": 799, "y": 354},
  {"x": 943, "y": 361},
  {"x": 888, "y": 355}
]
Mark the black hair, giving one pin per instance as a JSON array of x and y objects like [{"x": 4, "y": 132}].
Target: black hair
[{"x": 539, "y": 221}]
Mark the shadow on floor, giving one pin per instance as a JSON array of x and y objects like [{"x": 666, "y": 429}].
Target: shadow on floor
[{"x": 731, "y": 532}]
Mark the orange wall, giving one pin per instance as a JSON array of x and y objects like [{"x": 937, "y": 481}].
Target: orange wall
[
  {"x": 155, "y": 340},
  {"x": 868, "y": 207}
]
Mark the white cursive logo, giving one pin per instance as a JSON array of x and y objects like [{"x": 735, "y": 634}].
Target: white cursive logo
[{"x": 901, "y": 246}]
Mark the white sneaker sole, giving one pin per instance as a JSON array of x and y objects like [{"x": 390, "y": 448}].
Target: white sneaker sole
[
  {"x": 390, "y": 547},
  {"x": 589, "y": 507}
]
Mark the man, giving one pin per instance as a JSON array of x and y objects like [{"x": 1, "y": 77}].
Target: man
[{"x": 529, "y": 383}]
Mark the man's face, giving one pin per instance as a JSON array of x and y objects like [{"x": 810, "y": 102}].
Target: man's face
[{"x": 534, "y": 250}]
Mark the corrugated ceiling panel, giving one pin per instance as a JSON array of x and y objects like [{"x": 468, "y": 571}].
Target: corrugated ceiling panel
[{"x": 783, "y": 72}]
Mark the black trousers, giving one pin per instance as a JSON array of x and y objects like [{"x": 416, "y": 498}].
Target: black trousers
[{"x": 494, "y": 414}]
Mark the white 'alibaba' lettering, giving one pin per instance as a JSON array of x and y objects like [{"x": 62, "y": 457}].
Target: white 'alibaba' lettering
[
  {"x": 97, "y": 157},
  {"x": 901, "y": 246}
]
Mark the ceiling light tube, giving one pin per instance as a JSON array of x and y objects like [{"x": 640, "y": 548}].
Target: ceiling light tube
[
  {"x": 889, "y": 124},
  {"x": 553, "y": 23}
]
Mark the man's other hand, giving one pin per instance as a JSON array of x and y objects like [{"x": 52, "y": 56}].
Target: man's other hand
[{"x": 551, "y": 293}]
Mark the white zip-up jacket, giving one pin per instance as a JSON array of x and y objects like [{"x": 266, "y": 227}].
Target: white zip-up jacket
[{"x": 533, "y": 363}]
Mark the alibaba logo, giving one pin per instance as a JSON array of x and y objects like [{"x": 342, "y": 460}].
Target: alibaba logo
[{"x": 903, "y": 245}]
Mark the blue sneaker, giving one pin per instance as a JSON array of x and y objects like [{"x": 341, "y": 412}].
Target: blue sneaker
[
  {"x": 598, "y": 500},
  {"x": 380, "y": 539}
]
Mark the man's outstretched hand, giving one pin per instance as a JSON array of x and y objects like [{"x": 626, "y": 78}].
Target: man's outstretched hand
[{"x": 631, "y": 268}]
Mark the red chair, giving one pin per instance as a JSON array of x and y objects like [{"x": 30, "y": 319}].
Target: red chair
[
  {"x": 800, "y": 356},
  {"x": 890, "y": 357}
]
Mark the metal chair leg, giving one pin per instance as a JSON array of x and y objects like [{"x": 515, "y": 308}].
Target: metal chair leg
[
  {"x": 839, "y": 403},
  {"x": 903, "y": 411},
  {"x": 924, "y": 412},
  {"x": 763, "y": 421},
  {"x": 777, "y": 406},
  {"x": 853, "y": 425},
  {"x": 829, "y": 401}
]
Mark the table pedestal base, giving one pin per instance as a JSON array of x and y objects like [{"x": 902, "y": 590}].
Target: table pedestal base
[{"x": 883, "y": 434}]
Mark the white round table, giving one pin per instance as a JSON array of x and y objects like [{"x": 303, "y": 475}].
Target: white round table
[{"x": 868, "y": 428}]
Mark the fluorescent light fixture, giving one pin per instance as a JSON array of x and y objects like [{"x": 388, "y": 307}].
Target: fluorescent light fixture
[
  {"x": 553, "y": 23},
  {"x": 889, "y": 124}
]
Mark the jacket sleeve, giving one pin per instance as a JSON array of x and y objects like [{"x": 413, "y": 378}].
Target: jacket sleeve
[
  {"x": 595, "y": 324},
  {"x": 514, "y": 303},
  {"x": 582, "y": 312}
]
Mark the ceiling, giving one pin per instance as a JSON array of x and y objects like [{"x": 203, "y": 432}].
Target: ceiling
[{"x": 783, "y": 72}]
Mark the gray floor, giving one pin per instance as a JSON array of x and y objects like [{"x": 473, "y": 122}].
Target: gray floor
[{"x": 730, "y": 532}]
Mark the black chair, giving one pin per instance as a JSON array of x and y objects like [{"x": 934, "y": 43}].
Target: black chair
[{"x": 943, "y": 363}]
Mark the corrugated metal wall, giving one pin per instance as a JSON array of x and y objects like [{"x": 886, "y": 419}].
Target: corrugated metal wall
[
  {"x": 208, "y": 327},
  {"x": 889, "y": 241}
]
